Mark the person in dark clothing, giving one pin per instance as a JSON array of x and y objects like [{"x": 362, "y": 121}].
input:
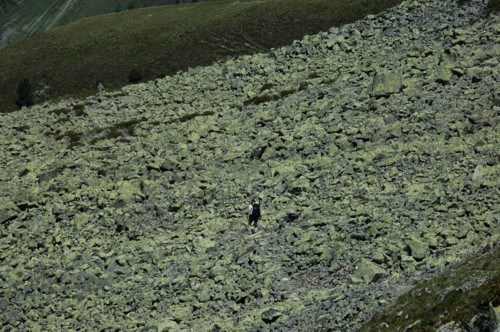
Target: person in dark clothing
[{"x": 253, "y": 215}]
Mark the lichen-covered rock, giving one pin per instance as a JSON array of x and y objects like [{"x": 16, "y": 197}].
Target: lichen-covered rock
[
  {"x": 451, "y": 327},
  {"x": 495, "y": 316},
  {"x": 271, "y": 315},
  {"x": 8, "y": 210},
  {"x": 370, "y": 272},
  {"x": 418, "y": 249},
  {"x": 386, "y": 83},
  {"x": 7, "y": 214}
]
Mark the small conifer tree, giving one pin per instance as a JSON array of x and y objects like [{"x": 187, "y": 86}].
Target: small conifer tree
[
  {"x": 24, "y": 93},
  {"x": 134, "y": 76}
]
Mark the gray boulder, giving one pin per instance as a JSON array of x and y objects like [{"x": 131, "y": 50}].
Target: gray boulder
[{"x": 386, "y": 84}]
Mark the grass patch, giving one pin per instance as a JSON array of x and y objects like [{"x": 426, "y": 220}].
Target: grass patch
[
  {"x": 266, "y": 86},
  {"x": 287, "y": 92},
  {"x": 260, "y": 99},
  {"x": 452, "y": 296},
  {"x": 72, "y": 136},
  {"x": 314, "y": 75},
  {"x": 491, "y": 7},
  {"x": 120, "y": 131},
  {"x": 163, "y": 40},
  {"x": 128, "y": 127},
  {"x": 191, "y": 116},
  {"x": 21, "y": 129}
]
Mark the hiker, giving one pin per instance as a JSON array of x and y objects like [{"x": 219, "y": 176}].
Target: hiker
[{"x": 253, "y": 215}]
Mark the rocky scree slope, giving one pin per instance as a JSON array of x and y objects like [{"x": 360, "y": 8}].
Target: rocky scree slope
[{"x": 373, "y": 149}]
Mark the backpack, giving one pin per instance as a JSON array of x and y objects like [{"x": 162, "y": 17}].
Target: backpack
[{"x": 255, "y": 210}]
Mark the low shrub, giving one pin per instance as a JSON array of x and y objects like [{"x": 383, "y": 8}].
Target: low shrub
[
  {"x": 134, "y": 76},
  {"x": 24, "y": 94}
]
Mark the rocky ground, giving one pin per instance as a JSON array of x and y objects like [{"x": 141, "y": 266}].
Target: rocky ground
[{"x": 373, "y": 149}]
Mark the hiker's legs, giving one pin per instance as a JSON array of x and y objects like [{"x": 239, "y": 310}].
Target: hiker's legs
[{"x": 252, "y": 223}]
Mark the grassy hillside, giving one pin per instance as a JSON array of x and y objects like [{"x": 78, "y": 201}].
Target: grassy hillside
[
  {"x": 156, "y": 41},
  {"x": 20, "y": 19},
  {"x": 467, "y": 296}
]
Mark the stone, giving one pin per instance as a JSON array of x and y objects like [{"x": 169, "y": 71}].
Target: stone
[
  {"x": 452, "y": 241},
  {"x": 407, "y": 262},
  {"x": 8, "y": 210},
  {"x": 370, "y": 272},
  {"x": 7, "y": 214},
  {"x": 495, "y": 316},
  {"x": 323, "y": 319},
  {"x": 271, "y": 315},
  {"x": 462, "y": 231},
  {"x": 299, "y": 186},
  {"x": 451, "y": 327},
  {"x": 385, "y": 84},
  {"x": 477, "y": 172},
  {"x": 379, "y": 257},
  {"x": 418, "y": 249},
  {"x": 129, "y": 191},
  {"x": 442, "y": 75},
  {"x": 288, "y": 217}
]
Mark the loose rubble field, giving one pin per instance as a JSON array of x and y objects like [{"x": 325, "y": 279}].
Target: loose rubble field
[{"x": 373, "y": 149}]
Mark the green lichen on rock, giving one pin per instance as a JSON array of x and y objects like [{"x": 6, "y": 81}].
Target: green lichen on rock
[
  {"x": 385, "y": 84},
  {"x": 418, "y": 249},
  {"x": 369, "y": 272},
  {"x": 366, "y": 189}
]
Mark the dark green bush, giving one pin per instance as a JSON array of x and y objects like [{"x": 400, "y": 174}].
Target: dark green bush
[
  {"x": 266, "y": 86},
  {"x": 493, "y": 6},
  {"x": 24, "y": 93},
  {"x": 79, "y": 109},
  {"x": 134, "y": 76}
]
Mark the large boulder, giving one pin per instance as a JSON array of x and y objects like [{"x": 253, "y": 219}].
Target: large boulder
[
  {"x": 417, "y": 249},
  {"x": 370, "y": 272},
  {"x": 8, "y": 210},
  {"x": 386, "y": 83}
]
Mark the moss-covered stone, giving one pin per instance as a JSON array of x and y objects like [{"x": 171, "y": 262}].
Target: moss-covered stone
[
  {"x": 418, "y": 249},
  {"x": 369, "y": 272},
  {"x": 386, "y": 83}
]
